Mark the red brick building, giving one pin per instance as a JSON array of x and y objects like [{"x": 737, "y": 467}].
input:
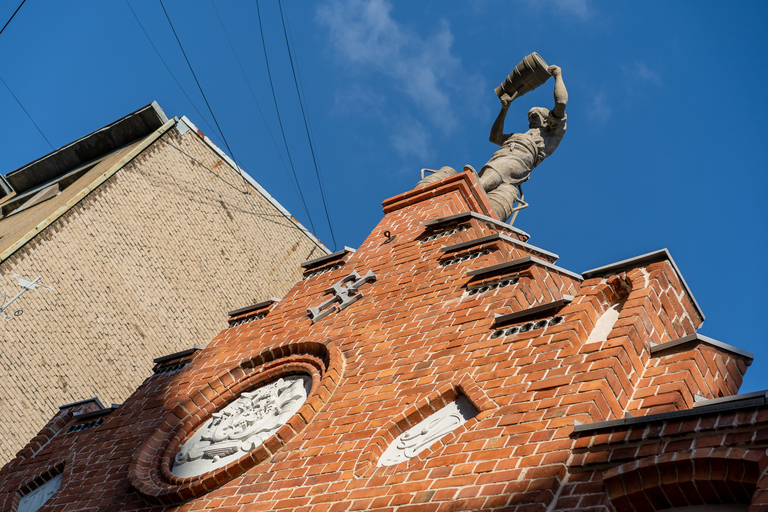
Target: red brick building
[{"x": 532, "y": 388}]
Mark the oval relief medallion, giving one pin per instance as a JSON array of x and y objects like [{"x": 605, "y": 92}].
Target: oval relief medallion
[
  {"x": 241, "y": 426},
  {"x": 235, "y": 421}
]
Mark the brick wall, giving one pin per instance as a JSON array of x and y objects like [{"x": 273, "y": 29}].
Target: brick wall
[
  {"x": 418, "y": 338},
  {"x": 146, "y": 265}
]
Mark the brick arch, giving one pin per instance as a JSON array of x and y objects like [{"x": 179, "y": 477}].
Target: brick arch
[
  {"x": 696, "y": 477},
  {"x": 150, "y": 471},
  {"x": 41, "y": 478},
  {"x": 760, "y": 498},
  {"x": 415, "y": 413}
]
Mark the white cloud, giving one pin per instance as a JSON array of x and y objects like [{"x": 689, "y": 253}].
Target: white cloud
[
  {"x": 411, "y": 140},
  {"x": 365, "y": 36},
  {"x": 639, "y": 72},
  {"x": 355, "y": 98},
  {"x": 600, "y": 111},
  {"x": 580, "y": 9}
]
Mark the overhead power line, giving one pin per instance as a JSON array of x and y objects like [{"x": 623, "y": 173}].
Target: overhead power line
[
  {"x": 8, "y": 87},
  {"x": 293, "y": 181},
  {"x": 306, "y": 127},
  {"x": 279, "y": 119},
  {"x": 202, "y": 117},
  {"x": 25, "y": 110},
  {"x": 12, "y": 16},
  {"x": 216, "y": 122}
]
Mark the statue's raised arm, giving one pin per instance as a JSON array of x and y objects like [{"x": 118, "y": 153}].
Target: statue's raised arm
[{"x": 561, "y": 94}]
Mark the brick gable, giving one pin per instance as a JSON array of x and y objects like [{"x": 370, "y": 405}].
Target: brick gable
[{"x": 561, "y": 424}]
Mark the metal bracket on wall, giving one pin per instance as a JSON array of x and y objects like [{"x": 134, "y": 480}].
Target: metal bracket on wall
[{"x": 26, "y": 285}]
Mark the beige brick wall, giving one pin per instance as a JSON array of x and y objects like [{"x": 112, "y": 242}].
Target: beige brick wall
[{"x": 146, "y": 265}]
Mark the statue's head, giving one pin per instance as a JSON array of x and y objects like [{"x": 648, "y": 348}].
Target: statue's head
[{"x": 537, "y": 117}]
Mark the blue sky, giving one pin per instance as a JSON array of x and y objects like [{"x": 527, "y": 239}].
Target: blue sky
[{"x": 664, "y": 145}]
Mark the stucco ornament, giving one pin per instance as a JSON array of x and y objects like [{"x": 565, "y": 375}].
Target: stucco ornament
[
  {"x": 241, "y": 426},
  {"x": 344, "y": 293},
  {"x": 421, "y": 436}
]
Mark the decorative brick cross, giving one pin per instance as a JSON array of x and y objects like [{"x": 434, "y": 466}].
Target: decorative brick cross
[{"x": 345, "y": 296}]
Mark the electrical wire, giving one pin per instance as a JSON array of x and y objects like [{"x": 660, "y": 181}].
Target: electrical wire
[
  {"x": 9, "y": 89},
  {"x": 298, "y": 75},
  {"x": 12, "y": 16},
  {"x": 306, "y": 127},
  {"x": 216, "y": 122},
  {"x": 267, "y": 217},
  {"x": 279, "y": 119},
  {"x": 169, "y": 69},
  {"x": 258, "y": 106},
  {"x": 25, "y": 111}
]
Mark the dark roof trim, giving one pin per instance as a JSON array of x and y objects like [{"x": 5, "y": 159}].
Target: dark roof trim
[
  {"x": 322, "y": 260},
  {"x": 519, "y": 264},
  {"x": 730, "y": 399},
  {"x": 661, "y": 348},
  {"x": 641, "y": 261},
  {"x": 248, "y": 309},
  {"x": 125, "y": 130},
  {"x": 101, "y": 412},
  {"x": 5, "y": 187},
  {"x": 521, "y": 316},
  {"x": 495, "y": 237},
  {"x": 178, "y": 355},
  {"x": 727, "y": 404},
  {"x": 509, "y": 266},
  {"x": 470, "y": 243},
  {"x": 459, "y": 217},
  {"x": 73, "y": 404}
]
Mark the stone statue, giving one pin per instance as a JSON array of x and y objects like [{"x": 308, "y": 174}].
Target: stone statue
[{"x": 520, "y": 153}]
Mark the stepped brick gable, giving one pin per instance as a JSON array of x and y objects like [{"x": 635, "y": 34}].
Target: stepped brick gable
[{"x": 488, "y": 377}]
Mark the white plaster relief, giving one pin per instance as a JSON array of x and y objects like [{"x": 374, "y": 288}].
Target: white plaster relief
[
  {"x": 241, "y": 426},
  {"x": 421, "y": 436},
  {"x": 605, "y": 323},
  {"x": 35, "y": 499},
  {"x": 343, "y": 296}
]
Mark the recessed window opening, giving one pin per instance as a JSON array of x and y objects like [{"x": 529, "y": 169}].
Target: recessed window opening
[
  {"x": 527, "y": 326},
  {"x": 444, "y": 233},
  {"x": 468, "y": 256}
]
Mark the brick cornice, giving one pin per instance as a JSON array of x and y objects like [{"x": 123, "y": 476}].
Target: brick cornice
[{"x": 465, "y": 183}]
